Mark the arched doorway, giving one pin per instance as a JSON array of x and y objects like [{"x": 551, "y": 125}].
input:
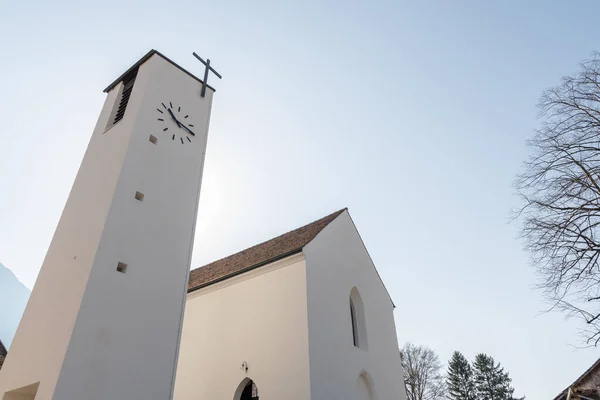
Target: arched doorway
[
  {"x": 247, "y": 390},
  {"x": 364, "y": 386}
]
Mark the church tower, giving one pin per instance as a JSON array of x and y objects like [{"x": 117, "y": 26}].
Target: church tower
[{"x": 104, "y": 318}]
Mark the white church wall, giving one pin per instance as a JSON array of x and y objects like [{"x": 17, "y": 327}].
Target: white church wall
[
  {"x": 258, "y": 317},
  {"x": 337, "y": 261}
]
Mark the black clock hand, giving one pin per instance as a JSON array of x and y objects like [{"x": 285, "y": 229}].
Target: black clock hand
[
  {"x": 188, "y": 129},
  {"x": 179, "y": 124}
]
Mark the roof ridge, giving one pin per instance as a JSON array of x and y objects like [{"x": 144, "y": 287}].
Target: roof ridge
[
  {"x": 268, "y": 241},
  {"x": 259, "y": 254}
]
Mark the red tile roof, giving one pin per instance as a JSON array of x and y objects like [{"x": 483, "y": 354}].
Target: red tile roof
[{"x": 259, "y": 255}]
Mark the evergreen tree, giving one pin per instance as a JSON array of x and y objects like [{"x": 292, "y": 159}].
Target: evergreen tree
[
  {"x": 459, "y": 379},
  {"x": 491, "y": 382}
]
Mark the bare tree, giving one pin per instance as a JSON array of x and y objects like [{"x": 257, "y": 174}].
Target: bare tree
[
  {"x": 560, "y": 186},
  {"x": 422, "y": 377}
]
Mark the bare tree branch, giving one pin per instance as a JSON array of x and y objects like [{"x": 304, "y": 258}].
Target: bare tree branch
[
  {"x": 560, "y": 188},
  {"x": 422, "y": 377}
]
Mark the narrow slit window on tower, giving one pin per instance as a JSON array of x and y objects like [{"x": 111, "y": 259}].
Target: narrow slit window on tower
[
  {"x": 121, "y": 104},
  {"x": 121, "y": 267},
  {"x": 139, "y": 196}
]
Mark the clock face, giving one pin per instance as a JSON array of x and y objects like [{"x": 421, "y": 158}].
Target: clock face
[{"x": 175, "y": 122}]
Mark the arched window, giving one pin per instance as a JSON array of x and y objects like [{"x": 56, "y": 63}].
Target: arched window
[
  {"x": 247, "y": 390},
  {"x": 357, "y": 318},
  {"x": 354, "y": 326}
]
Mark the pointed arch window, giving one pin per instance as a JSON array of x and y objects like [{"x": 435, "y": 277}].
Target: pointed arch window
[
  {"x": 354, "y": 327},
  {"x": 358, "y": 322}
]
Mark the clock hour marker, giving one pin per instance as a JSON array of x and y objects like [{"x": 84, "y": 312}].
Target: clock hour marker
[
  {"x": 164, "y": 105},
  {"x": 186, "y": 116},
  {"x": 188, "y": 138},
  {"x": 160, "y": 119},
  {"x": 178, "y": 109},
  {"x": 191, "y": 125},
  {"x": 173, "y": 138},
  {"x": 171, "y": 104},
  {"x": 165, "y": 129},
  {"x": 181, "y": 140},
  {"x": 159, "y": 110}
]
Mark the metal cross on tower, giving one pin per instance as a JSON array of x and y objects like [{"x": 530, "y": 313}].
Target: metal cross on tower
[{"x": 206, "y": 69}]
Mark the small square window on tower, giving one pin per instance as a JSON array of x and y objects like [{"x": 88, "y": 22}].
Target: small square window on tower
[
  {"x": 121, "y": 267},
  {"x": 139, "y": 196},
  {"x": 153, "y": 139}
]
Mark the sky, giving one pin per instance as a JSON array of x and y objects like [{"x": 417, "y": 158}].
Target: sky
[{"x": 414, "y": 115}]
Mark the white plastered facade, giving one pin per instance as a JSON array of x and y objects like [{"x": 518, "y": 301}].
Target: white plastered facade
[{"x": 289, "y": 322}]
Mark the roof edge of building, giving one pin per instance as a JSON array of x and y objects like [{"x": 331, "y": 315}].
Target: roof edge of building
[
  {"x": 244, "y": 270},
  {"x": 577, "y": 381},
  {"x": 196, "y": 273},
  {"x": 133, "y": 70}
]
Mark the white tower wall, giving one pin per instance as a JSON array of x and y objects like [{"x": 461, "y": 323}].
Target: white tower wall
[{"x": 89, "y": 331}]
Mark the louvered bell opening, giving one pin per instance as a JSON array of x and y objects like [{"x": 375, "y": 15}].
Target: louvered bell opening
[{"x": 124, "y": 100}]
